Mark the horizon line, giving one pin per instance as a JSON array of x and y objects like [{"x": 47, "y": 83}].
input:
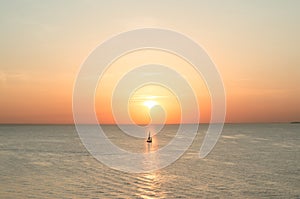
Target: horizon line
[{"x": 107, "y": 124}]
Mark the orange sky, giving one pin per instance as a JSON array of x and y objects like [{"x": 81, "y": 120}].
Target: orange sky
[
  {"x": 255, "y": 46},
  {"x": 157, "y": 93}
]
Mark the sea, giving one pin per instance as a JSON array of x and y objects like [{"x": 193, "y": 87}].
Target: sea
[{"x": 248, "y": 161}]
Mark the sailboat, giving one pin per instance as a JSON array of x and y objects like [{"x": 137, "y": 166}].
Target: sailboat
[{"x": 149, "y": 139}]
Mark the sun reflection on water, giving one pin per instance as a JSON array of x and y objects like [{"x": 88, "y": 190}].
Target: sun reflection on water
[{"x": 151, "y": 185}]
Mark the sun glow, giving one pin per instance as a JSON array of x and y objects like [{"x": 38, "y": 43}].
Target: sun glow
[{"x": 150, "y": 103}]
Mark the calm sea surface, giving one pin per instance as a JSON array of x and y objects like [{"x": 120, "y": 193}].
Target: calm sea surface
[{"x": 249, "y": 161}]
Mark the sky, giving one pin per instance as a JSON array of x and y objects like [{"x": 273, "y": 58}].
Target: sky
[{"x": 254, "y": 44}]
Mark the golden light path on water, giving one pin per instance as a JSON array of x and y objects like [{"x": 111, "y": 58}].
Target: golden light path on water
[{"x": 154, "y": 177}]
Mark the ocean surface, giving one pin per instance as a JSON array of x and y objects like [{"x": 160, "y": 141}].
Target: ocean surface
[{"x": 249, "y": 161}]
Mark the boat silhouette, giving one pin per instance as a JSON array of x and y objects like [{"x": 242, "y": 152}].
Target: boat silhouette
[{"x": 149, "y": 139}]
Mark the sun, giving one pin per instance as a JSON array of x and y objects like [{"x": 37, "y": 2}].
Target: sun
[{"x": 150, "y": 103}]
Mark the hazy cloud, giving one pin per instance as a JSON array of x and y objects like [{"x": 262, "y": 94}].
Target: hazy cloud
[
  {"x": 2, "y": 78},
  {"x": 12, "y": 77},
  {"x": 147, "y": 97}
]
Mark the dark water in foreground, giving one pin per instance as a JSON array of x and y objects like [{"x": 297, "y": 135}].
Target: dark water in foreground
[{"x": 249, "y": 161}]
